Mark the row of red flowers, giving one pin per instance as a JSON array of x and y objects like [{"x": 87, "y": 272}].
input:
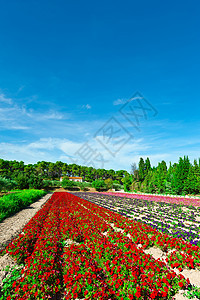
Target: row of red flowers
[
  {"x": 128, "y": 259},
  {"x": 101, "y": 267},
  {"x": 41, "y": 275},
  {"x": 187, "y": 255}
]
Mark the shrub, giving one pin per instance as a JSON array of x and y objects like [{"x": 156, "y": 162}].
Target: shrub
[
  {"x": 83, "y": 185},
  {"x": 69, "y": 185},
  {"x": 99, "y": 185},
  {"x": 117, "y": 187},
  {"x": 35, "y": 182},
  {"x": 7, "y": 184}
]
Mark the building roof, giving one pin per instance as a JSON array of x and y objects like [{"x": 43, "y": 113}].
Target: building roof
[{"x": 75, "y": 177}]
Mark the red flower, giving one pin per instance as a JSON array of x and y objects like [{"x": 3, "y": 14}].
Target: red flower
[
  {"x": 137, "y": 294},
  {"x": 180, "y": 284}
]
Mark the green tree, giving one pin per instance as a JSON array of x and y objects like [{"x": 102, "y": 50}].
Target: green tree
[
  {"x": 109, "y": 183},
  {"x": 180, "y": 175},
  {"x": 7, "y": 184},
  {"x": 147, "y": 166},
  {"x": 192, "y": 184},
  {"x": 141, "y": 169},
  {"x": 22, "y": 181},
  {"x": 161, "y": 175},
  {"x": 127, "y": 182}
]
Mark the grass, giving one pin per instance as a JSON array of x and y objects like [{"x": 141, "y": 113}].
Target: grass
[{"x": 14, "y": 202}]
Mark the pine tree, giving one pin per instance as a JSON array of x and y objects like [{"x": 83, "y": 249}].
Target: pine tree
[
  {"x": 192, "y": 184},
  {"x": 161, "y": 173},
  {"x": 180, "y": 175},
  {"x": 147, "y": 166},
  {"x": 141, "y": 170}
]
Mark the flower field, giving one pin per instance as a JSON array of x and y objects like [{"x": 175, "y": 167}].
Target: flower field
[
  {"x": 88, "y": 247},
  {"x": 178, "y": 220},
  {"x": 159, "y": 198}
]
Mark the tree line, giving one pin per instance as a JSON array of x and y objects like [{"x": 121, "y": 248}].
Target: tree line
[
  {"x": 179, "y": 179},
  {"x": 17, "y": 174}
]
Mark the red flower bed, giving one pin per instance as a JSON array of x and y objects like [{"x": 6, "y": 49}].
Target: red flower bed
[{"x": 98, "y": 265}]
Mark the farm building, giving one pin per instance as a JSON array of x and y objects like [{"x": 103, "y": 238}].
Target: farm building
[{"x": 79, "y": 179}]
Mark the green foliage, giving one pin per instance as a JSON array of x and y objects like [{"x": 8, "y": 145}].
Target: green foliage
[
  {"x": 180, "y": 175},
  {"x": 12, "y": 203},
  {"x": 69, "y": 184},
  {"x": 141, "y": 170},
  {"x": 7, "y": 284},
  {"x": 192, "y": 184},
  {"x": 22, "y": 181},
  {"x": 127, "y": 181},
  {"x": 35, "y": 182},
  {"x": 29, "y": 182},
  {"x": 53, "y": 171},
  {"x": 84, "y": 186},
  {"x": 117, "y": 186},
  {"x": 99, "y": 185},
  {"x": 147, "y": 166},
  {"x": 109, "y": 183},
  {"x": 181, "y": 178},
  {"x": 193, "y": 292},
  {"x": 49, "y": 184},
  {"x": 7, "y": 184},
  {"x": 65, "y": 178}
]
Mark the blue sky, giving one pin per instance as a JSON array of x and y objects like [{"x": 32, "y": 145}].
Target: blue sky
[{"x": 68, "y": 70}]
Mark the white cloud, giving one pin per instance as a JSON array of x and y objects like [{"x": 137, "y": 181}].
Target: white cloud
[
  {"x": 86, "y": 106},
  {"x": 119, "y": 101},
  {"x": 44, "y": 143},
  {"x": 54, "y": 149},
  {"x": 53, "y": 116},
  {"x": 5, "y": 99},
  {"x": 18, "y": 127},
  {"x": 20, "y": 88},
  {"x": 18, "y": 117},
  {"x": 47, "y": 115}
]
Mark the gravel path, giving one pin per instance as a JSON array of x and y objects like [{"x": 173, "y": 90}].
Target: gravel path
[{"x": 12, "y": 226}]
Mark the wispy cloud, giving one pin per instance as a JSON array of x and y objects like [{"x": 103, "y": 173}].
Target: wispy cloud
[
  {"x": 14, "y": 116},
  {"x": 119, "y": 101},
  {"x": 5, "y": 99},
  {"x": 53, "y": 115},
  {"x": 20, "y": 89},
  {"x": 86, "y": 106}
]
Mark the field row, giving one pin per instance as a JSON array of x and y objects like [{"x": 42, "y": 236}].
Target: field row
[
  {"x": 70, "y": 250},
  {"x": 158, "y": 198},
  {"x": 179, "y": 221}
]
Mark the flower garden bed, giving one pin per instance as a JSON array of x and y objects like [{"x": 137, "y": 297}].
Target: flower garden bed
[{"x": 74, "y": 248}]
